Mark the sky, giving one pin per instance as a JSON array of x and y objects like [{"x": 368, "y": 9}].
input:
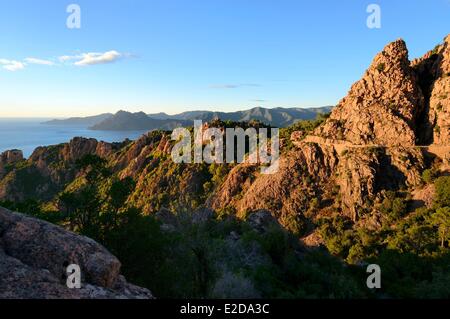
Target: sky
[{"x": 177, "y": 55}]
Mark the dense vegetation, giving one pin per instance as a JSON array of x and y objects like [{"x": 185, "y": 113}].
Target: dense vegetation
[
  {"x": 178, "y": 256},
  {"x": 411, "y": 248},
  {"x": 221, "y": 257}
]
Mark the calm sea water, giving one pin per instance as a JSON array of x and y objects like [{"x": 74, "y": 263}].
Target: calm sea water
[{"x": 28, "y": 134}]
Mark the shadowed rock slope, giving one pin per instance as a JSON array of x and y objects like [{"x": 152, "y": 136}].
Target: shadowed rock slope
[{"x": 34, "y": 256}]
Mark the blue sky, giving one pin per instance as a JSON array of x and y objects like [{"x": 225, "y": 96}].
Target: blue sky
[{"x": 179, "y": 55}]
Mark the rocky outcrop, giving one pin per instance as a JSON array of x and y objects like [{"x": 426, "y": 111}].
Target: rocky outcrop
[
  {"x": 357, "y": 179},
  {"x": 9, "y": 158},
  {"x": 382, "y": 107},
  {"x": 394, "y": 107},
  {"x": 49, "y": 169},
  {"x": 372, "y": 141},
  {"x": 132, "y": 162},
  {"x": 301, "y": 175},
  {"x": 262, "y": 221},
  {"x": 71, "y": 152},
  {"x": 34, "y": 256},
  {"x": 433, "y": 71},
  {"x": 363, "y": 172}
]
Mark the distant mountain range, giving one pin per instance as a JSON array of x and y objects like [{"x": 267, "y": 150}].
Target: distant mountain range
[
  {"x": 126, "y": 121},
  {"x": 89, "y": 120}
]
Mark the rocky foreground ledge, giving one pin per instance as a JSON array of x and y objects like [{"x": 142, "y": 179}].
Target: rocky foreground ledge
[{"x": 34, "y": 256}]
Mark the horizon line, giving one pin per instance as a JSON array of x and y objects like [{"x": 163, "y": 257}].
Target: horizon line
[{"x": 161, "y": 112}]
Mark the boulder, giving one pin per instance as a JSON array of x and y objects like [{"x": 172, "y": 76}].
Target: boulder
[{"x": 34, "y": 256}]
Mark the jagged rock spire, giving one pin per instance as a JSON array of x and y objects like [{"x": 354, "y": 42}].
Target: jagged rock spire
[{"x": 382, "y": 107}]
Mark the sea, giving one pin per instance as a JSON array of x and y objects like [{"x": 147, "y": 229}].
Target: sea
[{"x": 28, "y": 134}]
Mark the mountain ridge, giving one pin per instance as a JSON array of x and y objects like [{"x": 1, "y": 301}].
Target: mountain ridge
[
  {"x": 123, "y": 120},
  {"x": 88, "y": 120}
]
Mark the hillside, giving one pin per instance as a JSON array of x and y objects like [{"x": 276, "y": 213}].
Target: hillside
[{"x": 368, "y": 183}]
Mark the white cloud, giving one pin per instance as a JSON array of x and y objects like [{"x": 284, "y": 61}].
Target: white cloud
[
  {"x": 39, "y": 61},
  {"x": 233, "y": 86},
  {"x": 83, "y": 59},
  {"x": 12, "y": 65},
  {"x": 98, "y": 58},
  {"x": 66, "y": 58}
]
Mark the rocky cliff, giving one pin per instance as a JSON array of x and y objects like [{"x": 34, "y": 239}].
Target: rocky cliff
[
  {"x": 7, "y": 159},
  {"x": 34, "y": 256},
  {"x": 48, "y": 169},
  {"x": 397, "y": 102},
  {"x": 384, "y": 104},
  {"x": 380, "y": 137},
  {"x": 433, "y": 71}
]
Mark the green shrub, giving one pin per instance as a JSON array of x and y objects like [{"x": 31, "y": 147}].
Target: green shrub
[
  {"x": 442, "y": 185},
  {"x": 356, "y": 254},
  {"x": 294, "y": 224},
  {"x": 429, "y": 175},
  {"x": 398, "y": 208}
]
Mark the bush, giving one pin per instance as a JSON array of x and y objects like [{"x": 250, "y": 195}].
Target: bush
[
  {"x": 338, "y": 235},
  {"x": 234, "y": 286},
  {"x": 393, "y": 207},
  {"x": 356, "y": 254},
  {"x": 442, "y": 185},
  {"x": 398, "y": 208},
  {"x": 294, "y": 224},
  {"x": 429, "y": 175}
]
